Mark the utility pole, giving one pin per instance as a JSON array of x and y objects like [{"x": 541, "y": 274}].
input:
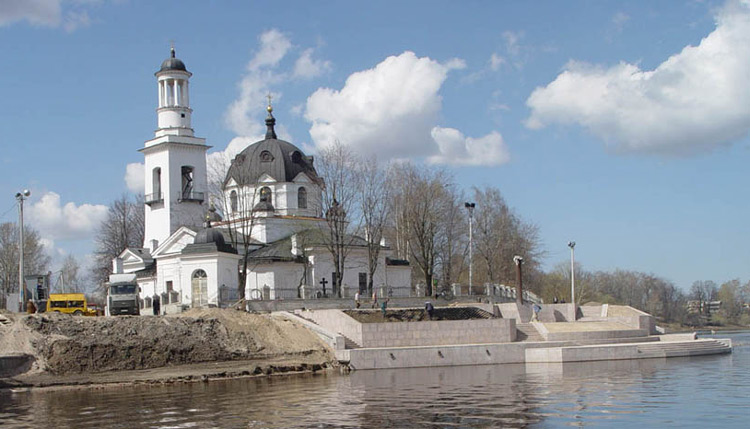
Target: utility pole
[
  {"x": 470, "y": 208},
  {"x": 519, "y": 280},
  {"x": 572, "y": 245},
  {"x": 21, "y": 196}
]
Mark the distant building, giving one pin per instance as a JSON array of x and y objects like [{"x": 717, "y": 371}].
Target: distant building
[{"x": 191, "y": 256}]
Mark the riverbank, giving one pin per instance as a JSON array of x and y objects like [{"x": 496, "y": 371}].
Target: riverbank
[{"x": 198, "y": 345}]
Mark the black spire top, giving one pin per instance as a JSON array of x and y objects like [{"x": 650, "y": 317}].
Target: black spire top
[{"x": 270, "y": 121}]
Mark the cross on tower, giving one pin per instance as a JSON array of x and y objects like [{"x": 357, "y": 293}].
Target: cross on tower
[
  {"x": 269, "y": 97},
  {"x": 324, "y": 282}
]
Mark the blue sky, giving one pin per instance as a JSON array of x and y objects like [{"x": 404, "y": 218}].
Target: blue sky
[{"x": 622, "y": 126}]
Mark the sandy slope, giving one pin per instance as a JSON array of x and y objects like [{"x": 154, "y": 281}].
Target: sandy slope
[{"x": 64, "y": 345}]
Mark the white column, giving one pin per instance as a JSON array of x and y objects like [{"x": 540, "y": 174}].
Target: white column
[
  {"x": 187, "y": 95},
  {"x": 176, "y": 93},
  {"x": 162, "y": 94}
]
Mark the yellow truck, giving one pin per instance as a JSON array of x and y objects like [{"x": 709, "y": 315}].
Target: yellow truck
[{"x": 69, "y": 303}]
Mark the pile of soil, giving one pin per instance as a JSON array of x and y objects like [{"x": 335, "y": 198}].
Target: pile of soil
[
  {"x": 64, "y": 344},
  {"x": 418, "y": 315}
]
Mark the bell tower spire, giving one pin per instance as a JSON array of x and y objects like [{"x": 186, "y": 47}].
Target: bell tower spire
[
  {"x": 175, "y": 160},
  {"x": 174, "y": 97}
]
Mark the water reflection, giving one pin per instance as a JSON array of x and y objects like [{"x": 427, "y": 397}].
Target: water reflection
[{"x": 674, "y": 392}]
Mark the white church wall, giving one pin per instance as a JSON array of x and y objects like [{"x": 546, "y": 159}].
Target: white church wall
[
  {"x": 147, "y": 287},
  {"x": 399, "y": 279},
  {"x": 189, "y": 267},
  {"x": 259, "y": 280},
  {"x": 169, "y": 269}
]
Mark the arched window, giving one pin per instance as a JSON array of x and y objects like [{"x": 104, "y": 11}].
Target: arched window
[
  {"x": 302, "y": 198},
  {"x": 233, "y": 201},
  {"x": 156, "y": 183},
  {"x": 187, "y": 182},
  {"x": 266, "y": 195},
  {"x": 199, "y": 283}
]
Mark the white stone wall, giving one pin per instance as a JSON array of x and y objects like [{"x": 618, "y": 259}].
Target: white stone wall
[{"x": 431, "y": 333}]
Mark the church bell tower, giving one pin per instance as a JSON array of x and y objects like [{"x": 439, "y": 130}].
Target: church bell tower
[{"x": 175, "y": 160}]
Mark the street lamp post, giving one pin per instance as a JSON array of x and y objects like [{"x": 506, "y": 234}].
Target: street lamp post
[
  {"x": 519, "y": 280},
  {"x": 21, "y": 196},
  {"x": 572, "y": 245},
  {"x": 470, "y": 208}
]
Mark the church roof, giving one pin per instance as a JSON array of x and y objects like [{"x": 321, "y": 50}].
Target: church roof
[
  {"x": 281, "y": 250},
  {"x": 209, "y": 240},
  {"x": 172, "y": 63},
  {"x": 277, "y": 158}
]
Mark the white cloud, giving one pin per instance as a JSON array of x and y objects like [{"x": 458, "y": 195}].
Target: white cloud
[
  {"x": 457, "y": 149},
  {"x": 273, "y": 47},
  {"x": 37, "y": 12},
  {"x": 496, "y": 61},
  {"x": 511, "y": 42},
  {"x": 134, "y": 177},
  {"x": 388, "y": 109},
  {"x": 243, "y": 115},
  {"x": 70, "y": 15},
  {"x": 76, "y": 20},
  {"x": 693, "y": 101},
  {"x": 306, "y": 67},
  {"x": 255, "y": 84},
  {"x": 55, "y": 221},
  {"x": 619, "y": 20}
]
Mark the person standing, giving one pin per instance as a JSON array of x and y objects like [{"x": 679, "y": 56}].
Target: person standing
[
  {"x": 356, "y": 300},
  {"x": 384, "y": 306},
  {"x": 374, "y": 298},
  {"x": 157, "y": 305},
  {"x": 536, "y": 309},
  {"x": 430, "y": 309}
]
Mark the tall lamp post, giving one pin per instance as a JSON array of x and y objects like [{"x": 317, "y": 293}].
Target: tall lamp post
[
  {"x": 470, "y": 208},
  {"x": 519, "y": 280},
  {"x": 21, "y": 196},
  {"x": 572, "y": 245}
]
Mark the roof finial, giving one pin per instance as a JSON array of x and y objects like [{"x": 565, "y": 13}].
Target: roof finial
[
  {"x": 270, "y": 120},
  {"x": 171, "y": 48}
]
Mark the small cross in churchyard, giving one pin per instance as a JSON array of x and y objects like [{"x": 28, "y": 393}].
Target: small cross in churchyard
[{"x": 324, "y": 282}]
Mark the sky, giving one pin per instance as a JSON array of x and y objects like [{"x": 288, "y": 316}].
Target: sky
[{"x": 620, "y": 125}]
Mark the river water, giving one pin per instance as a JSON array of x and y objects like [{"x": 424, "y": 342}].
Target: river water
[{"x": 704, "y": 391}]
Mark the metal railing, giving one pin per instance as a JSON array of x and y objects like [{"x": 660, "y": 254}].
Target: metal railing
[
  {"x": 156, "y": 197},
  {"x": 192, "y": 196}
]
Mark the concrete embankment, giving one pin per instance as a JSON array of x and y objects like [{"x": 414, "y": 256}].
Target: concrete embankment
[{"x": 54, "y": 349}]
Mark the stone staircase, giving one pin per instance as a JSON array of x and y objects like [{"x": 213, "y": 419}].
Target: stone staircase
[
  {"x": 527, "y": 332},
  {"x": 663, "y": 349},
  {"x": 348, "y": 342}
]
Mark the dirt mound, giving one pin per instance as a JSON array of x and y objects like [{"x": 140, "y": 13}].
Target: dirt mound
[
  {"x": 418, "y": 315},
  {"x": 69, "y": 344}
]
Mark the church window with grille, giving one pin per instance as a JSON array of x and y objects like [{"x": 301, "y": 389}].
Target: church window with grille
[
  {"x": 233, "y": 201},
  {"x": 302, "y": 198}
]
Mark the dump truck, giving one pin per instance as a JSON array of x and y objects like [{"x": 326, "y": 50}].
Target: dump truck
[{"x": 122, "y": 295}]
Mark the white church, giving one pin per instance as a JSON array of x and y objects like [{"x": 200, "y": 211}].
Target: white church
[{"x": 191, "y": 257}]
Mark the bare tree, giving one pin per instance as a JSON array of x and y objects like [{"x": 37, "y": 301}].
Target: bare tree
[
  {"x": 339, "y": 197},
  {"x": 374, "y": 195},
  {"x": 35, "y": 258},
  {"x": 240, "y": 197},
  {"x": 123, "y": 228},
  {"x": 452, "y": 242},
  {"x": 499, "y": 234},
  {"x": 418, "y": 210},
  {"x": 69, "y": 280}
]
